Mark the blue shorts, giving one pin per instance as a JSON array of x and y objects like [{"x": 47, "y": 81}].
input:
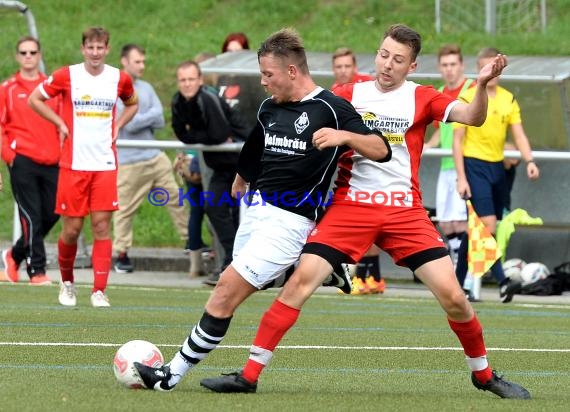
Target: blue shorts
[{"x": 488, "y": 186}]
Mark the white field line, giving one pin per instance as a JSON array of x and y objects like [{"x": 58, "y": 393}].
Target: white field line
[
  {"x": 293, "y": 347},
  {"x": 396, "y": 297}
]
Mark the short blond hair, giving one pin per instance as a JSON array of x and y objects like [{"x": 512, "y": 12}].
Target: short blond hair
[
  {"x": 96, "y": 33},
  {"x": 343, "y": 51}
]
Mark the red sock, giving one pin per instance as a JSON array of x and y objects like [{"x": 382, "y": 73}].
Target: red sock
[
  {"x": 66, "y": 259},
  {"x": 101, "y": 259},
  {"x": 274, "y": 325},
  {"x": 470, "y": 335}
]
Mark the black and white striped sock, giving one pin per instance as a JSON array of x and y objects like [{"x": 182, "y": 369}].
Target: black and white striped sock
[{"x": 203, "y": 338}]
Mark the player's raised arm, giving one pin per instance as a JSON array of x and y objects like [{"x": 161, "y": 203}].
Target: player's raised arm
[{"x": 475, "y": 113}]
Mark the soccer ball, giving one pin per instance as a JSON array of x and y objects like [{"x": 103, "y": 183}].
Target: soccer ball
[
  {"x": 533, "y": 272},
  {"x": 513, "y": 268},
  {"x": 135, "y": 351}
]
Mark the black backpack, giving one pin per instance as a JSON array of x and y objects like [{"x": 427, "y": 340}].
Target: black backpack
[{"x": 555, "y": 284}]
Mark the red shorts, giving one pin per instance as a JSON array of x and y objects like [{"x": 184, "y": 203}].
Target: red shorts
[
  {"x": 352, "y": 227},
  {"x": 81, "y": 192}
]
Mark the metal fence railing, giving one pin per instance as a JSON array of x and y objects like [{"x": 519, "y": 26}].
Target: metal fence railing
[
  {"x": 236, "y": 147},
  {"x": 30, "y": 20}
]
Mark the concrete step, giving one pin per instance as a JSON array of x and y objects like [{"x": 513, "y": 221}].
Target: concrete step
[
  {"x": 176, "y": 260},
  {"x": 144, "y": 259}
]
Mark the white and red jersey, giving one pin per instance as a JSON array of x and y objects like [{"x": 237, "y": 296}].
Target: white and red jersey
[
  {"x": 402, "y": 115},
  {"x": 89, "y": 113}
]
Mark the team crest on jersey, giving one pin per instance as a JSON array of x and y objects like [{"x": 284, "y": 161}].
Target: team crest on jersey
[{"x": 302, "y": 123}]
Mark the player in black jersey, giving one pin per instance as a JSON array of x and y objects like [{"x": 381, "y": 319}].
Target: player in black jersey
[
  {"x": 290, "y": 157},
  {"x": 372, "y": 202}
]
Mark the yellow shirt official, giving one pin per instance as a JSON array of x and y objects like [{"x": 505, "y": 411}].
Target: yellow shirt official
[{"x": 487, "y": 142}]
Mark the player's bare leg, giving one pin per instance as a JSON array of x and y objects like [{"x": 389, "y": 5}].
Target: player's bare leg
[{"x": 439, "y": 277}]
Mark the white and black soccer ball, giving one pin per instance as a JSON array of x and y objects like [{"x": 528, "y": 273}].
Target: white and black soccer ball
[
  {"x": 513, "y": 268},
  {"x": 135, "y": 351},
  {"x": 534, "y": 272}
]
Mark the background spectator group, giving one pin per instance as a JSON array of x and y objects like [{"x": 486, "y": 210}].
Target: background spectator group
[{"x": 31, "y": 148}]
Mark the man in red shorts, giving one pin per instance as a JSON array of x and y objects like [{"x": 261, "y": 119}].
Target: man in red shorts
[
  {"x": 381, "y": 204},
  {"x": 88, "y": 166},
  {"x": 367, "y": 278}
]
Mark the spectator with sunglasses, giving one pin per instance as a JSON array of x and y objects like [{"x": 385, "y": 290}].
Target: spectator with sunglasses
[{"x": 31, "y": 149}]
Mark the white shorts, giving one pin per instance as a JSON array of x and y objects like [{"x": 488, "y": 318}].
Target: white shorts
[
  {"x": 449, "y": 206},
  {"x": 268, "y": 241}
]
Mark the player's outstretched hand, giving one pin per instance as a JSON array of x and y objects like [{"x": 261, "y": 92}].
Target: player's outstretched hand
[{"x": 492, "y": 69}]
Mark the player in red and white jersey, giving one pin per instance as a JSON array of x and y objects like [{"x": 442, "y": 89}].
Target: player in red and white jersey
[
  {"x": 88, "y": 165},
  {"x": 400, "y": 110},
  {"x": 367, "y": 277}
]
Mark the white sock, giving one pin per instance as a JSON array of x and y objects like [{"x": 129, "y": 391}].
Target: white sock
[{"x": 477, "y": 364}]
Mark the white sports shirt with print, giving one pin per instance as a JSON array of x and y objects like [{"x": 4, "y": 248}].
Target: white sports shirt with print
[
  {"x": 89, "y": 113},
  {"x": 402, "y": 115}
]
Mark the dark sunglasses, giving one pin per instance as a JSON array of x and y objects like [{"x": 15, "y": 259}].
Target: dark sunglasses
[{"x": 30, "y": 52}]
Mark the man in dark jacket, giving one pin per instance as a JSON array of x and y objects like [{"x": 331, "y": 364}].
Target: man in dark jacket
[{"x": 200, "y": 116}]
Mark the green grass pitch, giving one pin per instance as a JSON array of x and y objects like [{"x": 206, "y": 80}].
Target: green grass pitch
[{"x": 344, "y": 354}]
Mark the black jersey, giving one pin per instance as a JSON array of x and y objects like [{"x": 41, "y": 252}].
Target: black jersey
[{"x": 280, "y": 158}]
